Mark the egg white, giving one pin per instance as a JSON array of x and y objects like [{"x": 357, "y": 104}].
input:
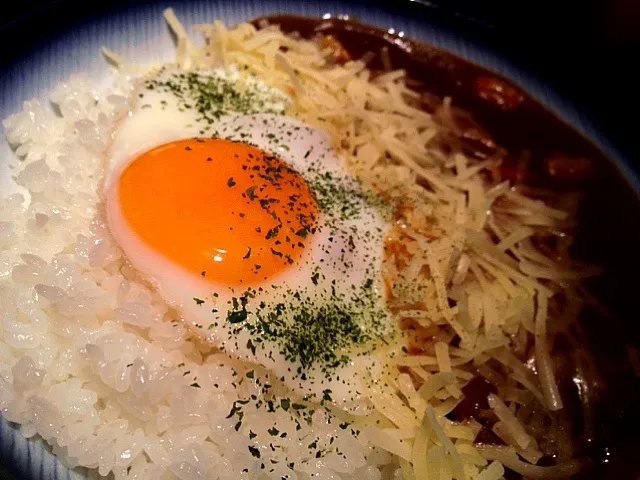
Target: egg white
[{"x": 159, "y": 117}]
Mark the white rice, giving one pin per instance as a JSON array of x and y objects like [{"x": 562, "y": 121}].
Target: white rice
[{"x": 93, "y": 360}]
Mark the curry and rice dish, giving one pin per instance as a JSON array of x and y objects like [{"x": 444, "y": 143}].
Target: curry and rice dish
[{"x": 284, "y": 256}]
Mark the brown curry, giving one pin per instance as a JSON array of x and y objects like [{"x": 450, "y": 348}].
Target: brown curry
[{"x": 538, "y": 149}]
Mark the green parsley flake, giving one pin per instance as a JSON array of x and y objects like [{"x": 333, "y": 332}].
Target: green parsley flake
[
  {"x": 219, "y": 93},
  {"x": 310, "y": 331},
  {"x": 254, "y": 451}
]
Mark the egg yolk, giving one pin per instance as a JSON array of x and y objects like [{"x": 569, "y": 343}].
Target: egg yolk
[{"x": 225, "y": 210}]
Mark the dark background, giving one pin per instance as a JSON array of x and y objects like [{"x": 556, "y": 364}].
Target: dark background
[{"x": 586, "y": 49}]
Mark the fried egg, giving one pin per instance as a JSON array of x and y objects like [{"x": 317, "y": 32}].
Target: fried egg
[{"x": 248, "y": 223}]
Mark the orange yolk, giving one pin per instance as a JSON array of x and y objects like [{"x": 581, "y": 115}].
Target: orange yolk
[{"x": 221, "y": 209}]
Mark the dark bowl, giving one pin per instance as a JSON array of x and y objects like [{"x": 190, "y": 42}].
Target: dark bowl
[{"x": 516, "y": 109}]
